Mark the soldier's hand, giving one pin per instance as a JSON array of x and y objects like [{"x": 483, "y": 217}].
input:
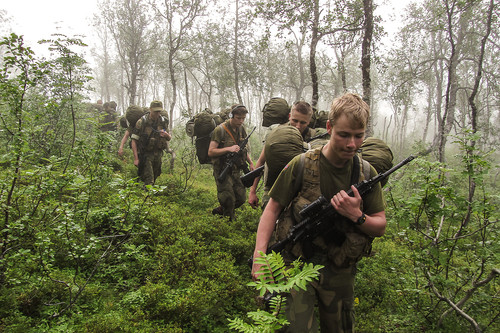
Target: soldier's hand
[
  {"x": 136, "y": 162},
  {"x": 165, "y": 134},
  {"x": 346, "y": 205},
  {"x": 255, "y": 269},
  {"x": 234, "y": 149},
  {"x": 253, "y": 200}
]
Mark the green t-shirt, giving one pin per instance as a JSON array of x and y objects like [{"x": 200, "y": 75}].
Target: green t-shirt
[
  {"x": 332, "y": 180},
  {"x": 219, "y": 134},
  {"x": 223, "y": 140}
]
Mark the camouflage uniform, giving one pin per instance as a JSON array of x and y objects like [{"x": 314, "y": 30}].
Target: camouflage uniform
[
  {"x": 338, "y": 250},
  {"x": 150, "y": 144},
  {"x": 109, "y": 118},
  {"x": 231, "y": 192}
]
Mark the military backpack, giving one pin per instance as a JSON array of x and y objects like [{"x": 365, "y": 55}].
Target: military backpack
[
  {"x": 200, "y": 128},
  {"x": 275, "y": 111}
]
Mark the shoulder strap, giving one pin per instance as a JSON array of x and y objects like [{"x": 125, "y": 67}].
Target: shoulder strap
[
  {"x": 229, "y": 132},
  {"x": 366, "y": 169},
  {"x": 360, "y": 164},
  {"x": 300, "y": 176},
  {"x": 355, "y": 170}
]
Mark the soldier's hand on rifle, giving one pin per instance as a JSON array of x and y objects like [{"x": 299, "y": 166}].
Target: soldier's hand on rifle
[
  {"x": 233, "y": 149},
  {"x": 346, "y": 205}
]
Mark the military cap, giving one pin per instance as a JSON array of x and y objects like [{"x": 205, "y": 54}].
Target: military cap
[{"x": 156, "y": 106}]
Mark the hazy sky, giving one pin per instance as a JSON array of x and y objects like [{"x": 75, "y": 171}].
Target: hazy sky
[{"x": 38, "y": 19}]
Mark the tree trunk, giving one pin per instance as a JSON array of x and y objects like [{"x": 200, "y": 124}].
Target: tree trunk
[
  {"x": 312, "y": 55},
  {"x": 365, "y": 56},
  {"x": 235, "y": 56},
  {"x": 174, "y": 87},
  {"x": 186, "y": 87}
]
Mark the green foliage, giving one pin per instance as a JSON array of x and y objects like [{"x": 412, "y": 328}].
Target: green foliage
[
  {"x": 445, "y": 226},
  {"x": 275, "y": 280},
  {"x": 84, "y": 247}
]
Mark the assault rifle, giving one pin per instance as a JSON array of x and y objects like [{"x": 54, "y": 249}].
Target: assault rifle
[
  {"x": 248, "y": 178},
  {"x": 233, "y": 157},
  {"x": 317, "y": 216}
]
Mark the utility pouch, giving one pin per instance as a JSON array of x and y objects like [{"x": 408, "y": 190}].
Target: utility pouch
[
  {"x": 162, "y": 143},
  {"x": 355, "y": 246},
  {"x": 151, "y": 144}
]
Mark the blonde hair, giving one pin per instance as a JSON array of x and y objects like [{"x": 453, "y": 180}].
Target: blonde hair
[{"x": 353, "y": 107}]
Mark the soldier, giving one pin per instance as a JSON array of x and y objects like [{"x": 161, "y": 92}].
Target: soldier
[
  {"x": 339, "y": 167},
  {"x": 225, "y": 139},
  {"x": 299, "y": 117},
  {"x": 109, "y": 119},
  {"x": 149, "y": 139}
]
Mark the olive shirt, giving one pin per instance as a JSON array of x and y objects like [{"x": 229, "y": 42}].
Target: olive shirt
[
  {"x": 220, "y": 136},
  {"x": 284, "y": 190}
]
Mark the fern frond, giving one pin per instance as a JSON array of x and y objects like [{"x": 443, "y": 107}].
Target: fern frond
[
  {"x": 278, "y": 279},
  {"x": 305, "y": 275},
  {"x": 277, "y": 304},
  {"x": 272, "y": 273}
]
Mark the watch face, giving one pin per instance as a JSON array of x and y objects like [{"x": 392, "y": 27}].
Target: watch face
[{"x": 361, "y": 219}]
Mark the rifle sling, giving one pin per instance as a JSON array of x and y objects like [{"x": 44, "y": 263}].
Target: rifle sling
[{"x": 231, "y": 134}]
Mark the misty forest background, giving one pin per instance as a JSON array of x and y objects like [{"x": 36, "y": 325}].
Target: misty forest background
[{"x": 84, "y": 248}]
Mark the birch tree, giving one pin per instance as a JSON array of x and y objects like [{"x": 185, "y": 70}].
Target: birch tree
[{"x": 131, "y": 24}]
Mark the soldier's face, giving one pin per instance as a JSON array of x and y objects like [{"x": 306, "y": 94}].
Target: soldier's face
[
  {"x": 238, "y": 120},
  {"x": 155, "y": 115},
  {"x": 346, "y": 138},
  {"x": 299, "y": 120}
]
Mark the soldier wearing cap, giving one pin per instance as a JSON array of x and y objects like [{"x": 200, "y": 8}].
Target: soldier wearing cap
[{"x": 149, "y": 139}]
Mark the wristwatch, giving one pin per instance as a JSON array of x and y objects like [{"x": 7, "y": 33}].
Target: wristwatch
[{"x": 361, "y": 219}]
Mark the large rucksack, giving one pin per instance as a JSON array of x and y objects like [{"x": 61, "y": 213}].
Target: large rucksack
[
  {"x": 379, "y": 154},
  {"x": 320, "y": 138},
  {"x": 318, "y": 119},
  {"x": 282, "y": 144},
  {"x": 275, "y": 112},
  {"x": 123, "y": 122},
  {"x": 204, "y": 123},
  {"x": 200, "y": 128},
  {"x": 133, "y": 114}
]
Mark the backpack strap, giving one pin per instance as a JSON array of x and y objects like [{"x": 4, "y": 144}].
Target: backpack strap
[
  {"x": 300, "y": 176},
  {"x": 355, "y": 170},
  {"x": 229, "y": 132},
  {"x": 366, "y": 169},
  {"x": 360, "y": 164}
]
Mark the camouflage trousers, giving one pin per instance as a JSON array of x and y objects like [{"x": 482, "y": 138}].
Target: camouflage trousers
[
  {"x": 334, "y": 295},
  {"x": 231, "y": 192},
  {"x": 150, "y": 167}
]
